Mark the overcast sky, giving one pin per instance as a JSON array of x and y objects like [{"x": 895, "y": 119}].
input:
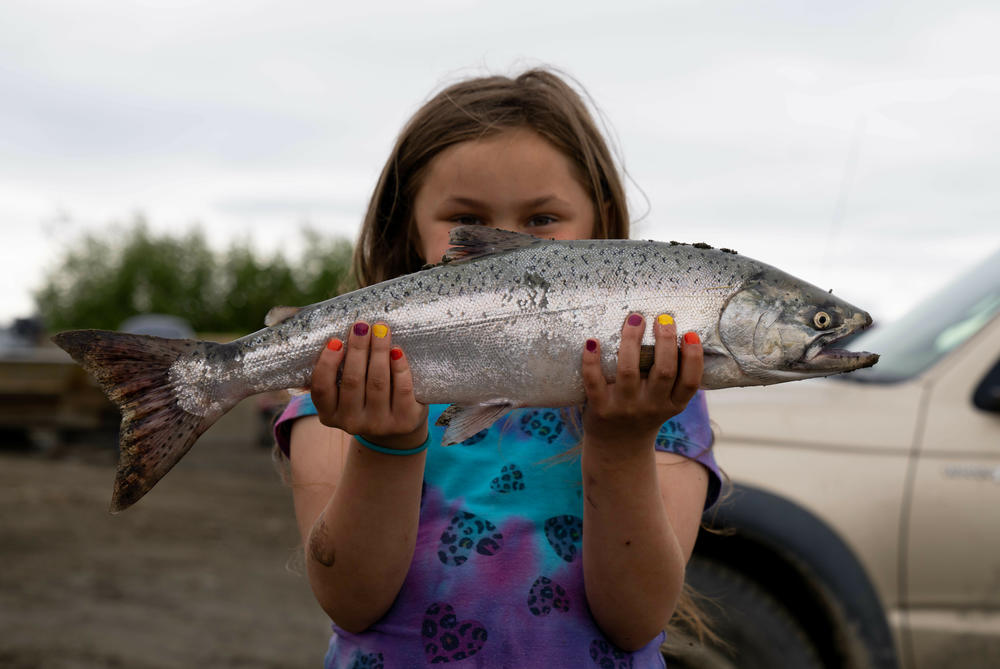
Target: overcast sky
[{"x": 855, "y": 144}]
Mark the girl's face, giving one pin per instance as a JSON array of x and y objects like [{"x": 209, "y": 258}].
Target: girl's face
[{"x": 515, "y": 180}]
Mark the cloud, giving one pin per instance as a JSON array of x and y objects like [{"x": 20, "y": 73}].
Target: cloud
[{"x": 739, "y": 122}]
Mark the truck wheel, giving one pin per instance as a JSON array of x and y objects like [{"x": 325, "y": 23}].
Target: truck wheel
[{"x": 757, "y": 632}]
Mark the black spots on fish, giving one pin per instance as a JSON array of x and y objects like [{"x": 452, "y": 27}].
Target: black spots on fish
[
  {"x": 730, "y": 251},
  {"x": 537, "y": 290},
  {"x": 701, "y": 245},
  {"x": 673, "y": 243}
]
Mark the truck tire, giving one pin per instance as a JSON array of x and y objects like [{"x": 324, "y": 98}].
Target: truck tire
[{"x": 756, "y": 630}]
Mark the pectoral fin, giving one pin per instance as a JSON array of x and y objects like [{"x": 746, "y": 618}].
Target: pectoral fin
[{"x": 463, "y": 421}]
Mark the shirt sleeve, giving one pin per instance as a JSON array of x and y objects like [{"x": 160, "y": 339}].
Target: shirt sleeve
[
  {"x": 689, "y": 433},
  {"x": 299, "y": 406}
]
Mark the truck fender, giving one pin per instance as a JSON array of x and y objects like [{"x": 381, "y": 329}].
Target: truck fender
[{"x": 762, "y": 522}]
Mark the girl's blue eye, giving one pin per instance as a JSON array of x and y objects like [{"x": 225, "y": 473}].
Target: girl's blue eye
[
  {"x": 466, "y": 220},
  {"x": 544, "y": 219}
]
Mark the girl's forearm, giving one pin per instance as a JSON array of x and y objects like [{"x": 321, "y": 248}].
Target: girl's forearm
[
  {"x": 359, "y": 550},
  {"x": 633, "y": 565}
]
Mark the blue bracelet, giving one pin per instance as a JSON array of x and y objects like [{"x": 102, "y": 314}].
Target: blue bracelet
[{"x": 394, "y": 451}]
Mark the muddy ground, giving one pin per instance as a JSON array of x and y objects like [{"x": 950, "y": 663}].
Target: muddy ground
[{"x": 202, "y": 572}]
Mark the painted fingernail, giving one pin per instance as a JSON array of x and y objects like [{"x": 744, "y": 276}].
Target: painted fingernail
[
  {"x": 335, "y": 344},
  {"x": 591, "y": 345},
  {"x": 380, "y": 330},
  {"x": 395, "y": 354},
  {"x": 635, "y": 319},
  {"x": 691, "y": 338},
  {"x": 361, "y": 329},
  {"x": 664, "y": 319}
]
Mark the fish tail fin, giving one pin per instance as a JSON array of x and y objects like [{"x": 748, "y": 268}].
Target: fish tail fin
[{"x": 134, "y": 372}]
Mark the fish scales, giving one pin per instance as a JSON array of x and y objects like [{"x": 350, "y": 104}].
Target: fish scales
[{"x": 521, "y": 319}]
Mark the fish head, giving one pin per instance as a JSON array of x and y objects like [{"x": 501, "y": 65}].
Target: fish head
[{"x": 778, "y": 328}]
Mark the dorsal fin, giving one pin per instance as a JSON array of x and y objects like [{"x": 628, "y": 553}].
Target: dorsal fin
[
  {"x": 280, "y": 315},
  {"x": 469, "y": 242}
]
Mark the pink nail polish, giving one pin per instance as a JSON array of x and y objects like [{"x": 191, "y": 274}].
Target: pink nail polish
[
  {"x": 361, "y": 329},
  {"x": 635, "y": 319},
  {"x": 591, "y": 345}
]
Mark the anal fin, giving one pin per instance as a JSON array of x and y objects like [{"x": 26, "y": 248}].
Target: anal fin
[{"x": 463, "y": 421}]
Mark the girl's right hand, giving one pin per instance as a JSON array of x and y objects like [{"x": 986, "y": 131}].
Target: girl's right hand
[{"x": 374, "y": 396}]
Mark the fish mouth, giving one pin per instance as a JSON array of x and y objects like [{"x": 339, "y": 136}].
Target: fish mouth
[
  {"x": 842, "y": 359},
  {"x": 823, "y": 354}
]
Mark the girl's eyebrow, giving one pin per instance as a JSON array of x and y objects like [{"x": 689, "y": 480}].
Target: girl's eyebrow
[{"x": 527, "y": 204}]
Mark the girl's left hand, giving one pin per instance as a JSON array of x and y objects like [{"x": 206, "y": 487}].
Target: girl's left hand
[{"x": 632, "y": 406}]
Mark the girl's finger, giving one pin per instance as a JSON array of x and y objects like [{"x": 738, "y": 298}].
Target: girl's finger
[
  {"x": 323, "y": 386},
  {"x": 352, "y": 379},
  {"x": 402, "y": 380},
  {"x": 665, "y": 352},
  {"x": 377, "y": 384},
  {"x": 692, "y": 364},
  {"x": 627, "y": 377},
  {"x": 594, "y": 383}
]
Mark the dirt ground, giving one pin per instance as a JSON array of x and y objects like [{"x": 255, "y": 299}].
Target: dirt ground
[{"x": 202, "y": 572}]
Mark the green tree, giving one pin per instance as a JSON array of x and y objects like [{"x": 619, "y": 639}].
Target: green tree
[{"x": 107, "y": 277}]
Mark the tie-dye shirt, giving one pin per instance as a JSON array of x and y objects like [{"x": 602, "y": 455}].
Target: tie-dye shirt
[{"x": 497, "y": 576}]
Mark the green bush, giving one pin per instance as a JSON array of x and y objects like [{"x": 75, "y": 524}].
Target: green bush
[{"x": 104, "y": 278}]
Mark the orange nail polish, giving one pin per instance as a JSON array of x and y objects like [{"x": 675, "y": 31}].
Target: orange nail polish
[
  {"x": 395, "y": 353},
  {"x": 691, "y": 338},
  {"x": 335, "y": 344}
]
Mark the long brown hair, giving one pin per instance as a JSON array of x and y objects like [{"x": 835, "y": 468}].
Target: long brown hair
[{"x": 472, "y": 109}]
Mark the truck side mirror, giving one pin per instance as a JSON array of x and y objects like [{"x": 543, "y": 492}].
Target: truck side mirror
[{"x": 987, "y": 395}]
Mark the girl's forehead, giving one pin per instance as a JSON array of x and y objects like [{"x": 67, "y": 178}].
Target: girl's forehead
[{"x": 519, "y": 158}]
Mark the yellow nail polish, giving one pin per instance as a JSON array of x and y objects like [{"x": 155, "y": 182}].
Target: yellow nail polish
[
  {"x": 380, "y": 330},
  {"x": 664, "y": 319}
]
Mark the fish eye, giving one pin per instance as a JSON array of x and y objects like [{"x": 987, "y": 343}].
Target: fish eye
[{"x": 822, "y": 320}]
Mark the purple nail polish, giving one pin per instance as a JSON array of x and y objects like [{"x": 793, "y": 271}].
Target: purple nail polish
[
  {"x": 635, "y": 319},
  {"x": 361, "y": 329},
  {"x": 591, "y": 345}
]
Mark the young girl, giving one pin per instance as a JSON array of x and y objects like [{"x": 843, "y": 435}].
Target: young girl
[{"x": 540, "y": 541}]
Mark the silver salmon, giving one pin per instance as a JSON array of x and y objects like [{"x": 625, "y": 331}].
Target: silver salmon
[{"x": 499, "y": 324}]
